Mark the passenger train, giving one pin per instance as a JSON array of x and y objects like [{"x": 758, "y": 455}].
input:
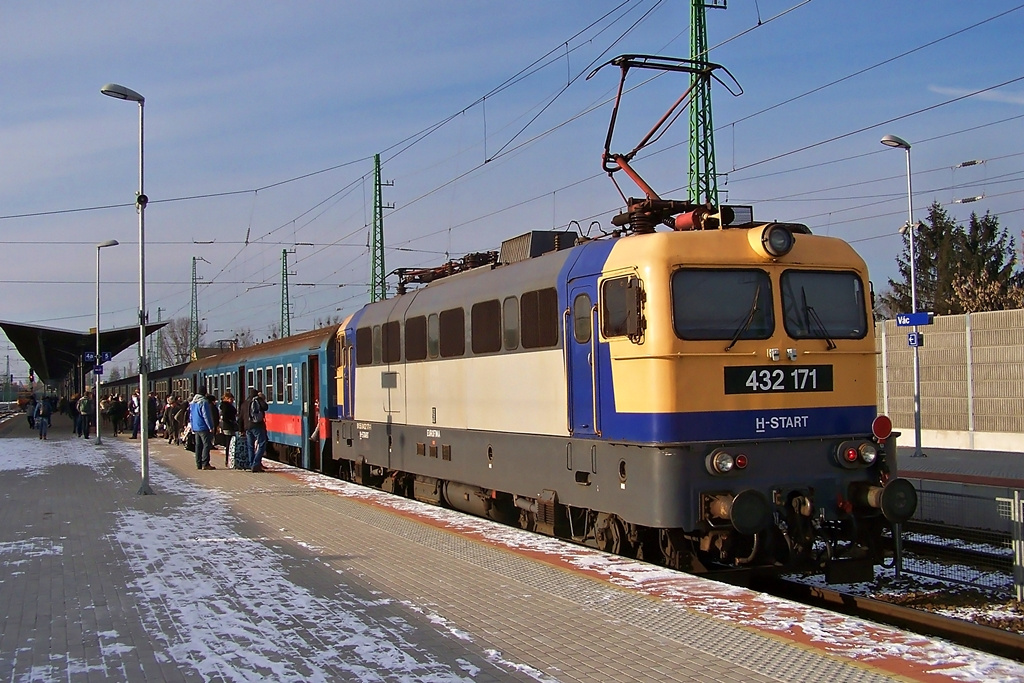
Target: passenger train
[{"x": 691, "y": 387}]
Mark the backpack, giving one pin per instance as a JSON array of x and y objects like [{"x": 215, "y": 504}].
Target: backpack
[{"x": 256, "y": 412}]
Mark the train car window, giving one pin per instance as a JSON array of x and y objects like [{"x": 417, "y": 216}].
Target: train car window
[
  {"x": 485, "y": 326},
  {"x": 268, "y": 393},
  {"x": 722, "y": 304},
  {"x": 280, "y": 384},
  {"x": 539, "y": 318},
  {"x": 289, "y": 396},
  {"x": 364, "y": 346},
  {"x": 581, "y": 318},
  {"x": 248, "y": 381},
  {"x": 377, "y": 345},
  {"x": 620, "y": 307},
  {"x": 453, "y": 333},
  {"x": 391, "y": 342},
  {"x": 433, "y": 336},
  {"x": 823, "y": 305},
  {"x": 259, "y": 379},
  {"x": 510, "y": 323},
  {"x": 416, "y": 338}
]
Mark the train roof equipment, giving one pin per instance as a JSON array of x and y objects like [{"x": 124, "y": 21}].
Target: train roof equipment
[{"x": 642, "y": 215}]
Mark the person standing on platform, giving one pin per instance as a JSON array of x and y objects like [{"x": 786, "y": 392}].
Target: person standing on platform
[
  {"x": 201, "y": 420},
  {"x": 118, "y": 410},
  {"x": 181, "y": 418},
  {"x": 228, "y": 422},
  {"x": 30, "y": 412},
  {"x": 85, "y": 413},
  {"x": 170, "y": 419},
  {"x": 152, "y": 413},
  {"x": 256, "y": 434},
  {"x": 42, "y": 417},
  {"x": 135, "y": 410}
]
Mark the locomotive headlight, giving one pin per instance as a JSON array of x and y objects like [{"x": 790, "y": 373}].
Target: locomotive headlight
[
  {"x": 854, "y": 454},
  {"x": 777, "y": 240},
  {"x": 719, "y": 462}
]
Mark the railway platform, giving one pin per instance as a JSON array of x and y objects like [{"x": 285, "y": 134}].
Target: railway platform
[
  {"x": 287, "y": 576},
  {"x": 999, "y": 469}
]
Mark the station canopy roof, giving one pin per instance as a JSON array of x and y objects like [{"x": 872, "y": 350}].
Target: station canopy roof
[{"x": 54, "y": 354}]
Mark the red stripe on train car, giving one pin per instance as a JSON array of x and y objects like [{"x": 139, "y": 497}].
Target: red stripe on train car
[{"x": 284, "y": 424}]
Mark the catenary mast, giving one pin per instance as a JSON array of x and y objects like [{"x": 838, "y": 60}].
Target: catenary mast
[{"x": 703, "y": 182}]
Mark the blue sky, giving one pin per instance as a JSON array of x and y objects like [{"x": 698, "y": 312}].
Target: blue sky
[{"x": 262, "y": 119}]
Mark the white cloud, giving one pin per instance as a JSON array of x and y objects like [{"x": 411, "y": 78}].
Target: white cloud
[{"x": 988, "y": 96}]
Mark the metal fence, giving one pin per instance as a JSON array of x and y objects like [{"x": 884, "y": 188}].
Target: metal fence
[{"x": 939, "y": 543}]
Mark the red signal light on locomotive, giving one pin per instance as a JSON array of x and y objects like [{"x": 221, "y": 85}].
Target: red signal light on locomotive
[
  {"x": 741, "y": 461},
  {"x": 851, "y": 454}
]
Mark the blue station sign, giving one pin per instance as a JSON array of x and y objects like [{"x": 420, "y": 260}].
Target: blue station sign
[{"x": 914, "y": 319}]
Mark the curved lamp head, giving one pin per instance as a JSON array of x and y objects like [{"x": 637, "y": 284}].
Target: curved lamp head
[
  {"x": 122, "y": 93},
  {"x": 108, "y": 243},
  {"x": 893, "y": 141}
]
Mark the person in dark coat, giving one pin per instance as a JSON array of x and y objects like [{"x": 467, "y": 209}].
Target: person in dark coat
[
  {"x": 181, "y": 417},
  {"x": 256, "y": 428},
  {"x": 228, "y": 422},
  {"x": 170, "y": 418},
  {"x": 118, "y": 411},
  {"x": 152, "y": 413}
]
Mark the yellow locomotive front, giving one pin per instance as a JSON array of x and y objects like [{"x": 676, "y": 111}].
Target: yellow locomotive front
[{"x": 752, "y": 357}]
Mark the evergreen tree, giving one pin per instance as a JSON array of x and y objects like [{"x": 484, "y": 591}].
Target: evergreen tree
[{"x": 958, "y": 269}]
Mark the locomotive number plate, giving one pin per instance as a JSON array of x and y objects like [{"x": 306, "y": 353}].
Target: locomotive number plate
[{"x": 771, "y": 379}]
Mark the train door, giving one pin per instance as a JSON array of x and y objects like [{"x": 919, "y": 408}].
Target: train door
[
  {"x": 582, "y": 358},
  {"x": 343, "y": 378},
  {"x": 311, "y": 410}
]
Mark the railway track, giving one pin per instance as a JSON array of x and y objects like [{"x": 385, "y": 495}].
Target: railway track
[
  {"x": 987, "y": 639},
  {"x": 972, "y": 557}
]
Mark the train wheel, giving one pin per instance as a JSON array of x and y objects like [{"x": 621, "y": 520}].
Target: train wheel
[
  {"x": 527, "y": 520},
  {"x": 610, "y": 535},
  {"x": 677, "y": 551},
  {"x": 645, "y": 541}
]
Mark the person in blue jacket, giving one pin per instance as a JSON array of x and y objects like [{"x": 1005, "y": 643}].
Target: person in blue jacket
[{"x": 201, "y": 419}]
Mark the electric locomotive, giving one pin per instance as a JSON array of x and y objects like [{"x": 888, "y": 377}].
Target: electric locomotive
[{"x": 701, "y": 398}]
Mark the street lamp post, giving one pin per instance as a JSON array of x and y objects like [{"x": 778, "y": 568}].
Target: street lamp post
[
  {"x": 893, "y": 141},
  {"x": 95, "y": 377},
  {"x": 122, "y": 93}
]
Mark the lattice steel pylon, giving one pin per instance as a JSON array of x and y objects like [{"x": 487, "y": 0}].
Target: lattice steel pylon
[
  {"x": 378, "y": 287},
  {"x": 702, "y": 178},
  {"x": 193, "y": 323},
  {"x": 286, "y": 307}
]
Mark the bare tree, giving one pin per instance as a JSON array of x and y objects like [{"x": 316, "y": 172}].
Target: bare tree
[
  {"x": 245, "y": 337},
  {"x": 177, "y": 345}
]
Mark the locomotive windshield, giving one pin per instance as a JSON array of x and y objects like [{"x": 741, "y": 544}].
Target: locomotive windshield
[
  {"x": 722, "y": 304},
  {"x": 823, "y": 305}
]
